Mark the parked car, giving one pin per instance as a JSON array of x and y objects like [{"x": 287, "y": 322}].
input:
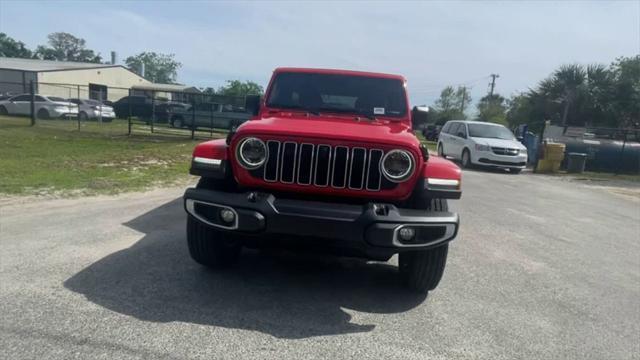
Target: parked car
[
  {"x": 327, "y": 162},
  {"x": 431, "y": 132},
  {"x": 208, "y": 115},
  {"x": 482, "y": 144},
  {"x": 144, "y": 108},
  {"x": 93, "y": 109},
  {"x": 45, "y": 106}
]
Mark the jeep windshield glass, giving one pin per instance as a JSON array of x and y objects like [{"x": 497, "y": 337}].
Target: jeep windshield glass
[
  {"x": 359, "y": 95},
  {"x": 490, "y": 131}
]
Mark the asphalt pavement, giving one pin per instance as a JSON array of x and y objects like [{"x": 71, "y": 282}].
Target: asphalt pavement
[{"x": 542, "y": 268}]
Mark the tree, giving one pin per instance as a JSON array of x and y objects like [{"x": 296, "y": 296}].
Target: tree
[
  {"x": 451, "y": 104},
  {"x": 239, "y": 88},
  {"x": 158, "y": 68},
  {"x": 66, "y": 47},
  {"x": 12, "y": 48},
  {"x": 625, "y": 91},
  {"x": 593, "y": 95},
  {"x": 493, "y": 108}
]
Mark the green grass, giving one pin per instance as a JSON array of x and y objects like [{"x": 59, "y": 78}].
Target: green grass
[
  {"x": 431, "y": 145},
  {"x": 54, "y": 157}
]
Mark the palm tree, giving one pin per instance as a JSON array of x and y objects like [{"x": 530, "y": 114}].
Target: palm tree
[{"x": 571, "y": 81}]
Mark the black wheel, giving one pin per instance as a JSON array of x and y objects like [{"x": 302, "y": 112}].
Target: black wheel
[
  {"x": 210, "y": 247},
  {"x": 177, "y": 122},
  {"x": 43, "y": 114},
  {"x": 421, "y": 271},
  {"x": 515, "y": 171},
  {"x": 207, "y": 245},
  {"x": 465, "y": 159},
  {"x": 3, "y": 111},
  {"x": 440, "y": 150},
  {"x": 83, "y": 116}
]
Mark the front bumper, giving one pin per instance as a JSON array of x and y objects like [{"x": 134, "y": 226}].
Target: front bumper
[
  {"x": 371, "y": 230},
  {"x": 105, "y": 114},
  {"x": 488, "y": 158},
  {"x": 63, "y": 111}
]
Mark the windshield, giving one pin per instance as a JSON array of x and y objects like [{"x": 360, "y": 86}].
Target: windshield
[
  {"x": 339, "y": 93},
  {"x": 490, "y": 131}
]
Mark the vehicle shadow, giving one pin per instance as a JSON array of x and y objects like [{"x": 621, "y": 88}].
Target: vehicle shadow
[{"x": 284, "y": 295}]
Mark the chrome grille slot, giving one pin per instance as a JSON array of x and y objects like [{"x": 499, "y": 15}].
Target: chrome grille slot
[
  {"x": 305, "y": 161},
  {"x": 505, "y": 151},
  {"x": 374, "y": 177},
  {"x": 322, "y": 165},
  {"x": 288, "y": 161},
  {"x": 357, "y": 168},
  {"x": 340, "y": 166},
  {"x": 273, "y": 161}
]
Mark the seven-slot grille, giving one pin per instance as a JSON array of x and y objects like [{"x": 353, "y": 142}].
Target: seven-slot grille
[
  {"x": 505, "y": 151},
  {"x": 323, "y": 165}
]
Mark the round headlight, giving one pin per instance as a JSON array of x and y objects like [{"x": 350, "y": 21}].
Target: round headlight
[
  {"x": 252, "y": 153},
  {"x": 397, "y": 165}
]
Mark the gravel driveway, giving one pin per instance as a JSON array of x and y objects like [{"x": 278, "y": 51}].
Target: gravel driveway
[{"x": 542, "y": 269}]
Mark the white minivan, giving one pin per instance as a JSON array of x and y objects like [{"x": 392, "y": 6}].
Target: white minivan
[{"x": 482, "y": 143}]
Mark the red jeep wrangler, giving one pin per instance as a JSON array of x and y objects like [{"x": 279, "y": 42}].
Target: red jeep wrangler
[{"x": 328, "y": 161}]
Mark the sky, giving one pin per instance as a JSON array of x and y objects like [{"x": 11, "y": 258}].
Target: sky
[{"x": 433, "y": 44}]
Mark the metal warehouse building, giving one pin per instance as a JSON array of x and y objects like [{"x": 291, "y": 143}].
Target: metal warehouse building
[{"x": 68, "y": 79}]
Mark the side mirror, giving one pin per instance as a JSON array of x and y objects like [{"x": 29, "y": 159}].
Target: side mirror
[
  {"x": 419, "y": 117},
  {"x": 462, "y": 135},
  {"x": 252, "y": 104}
]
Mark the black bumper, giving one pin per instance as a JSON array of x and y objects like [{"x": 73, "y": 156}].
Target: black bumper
[{"x": 371, "y": 230}]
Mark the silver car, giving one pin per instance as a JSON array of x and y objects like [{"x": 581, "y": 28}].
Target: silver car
[
  {"x": 93, "y": 109},
  {"x": 46, "y": 107}
]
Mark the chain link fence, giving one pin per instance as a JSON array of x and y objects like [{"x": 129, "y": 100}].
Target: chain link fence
[{"x": 122, "y": 111}]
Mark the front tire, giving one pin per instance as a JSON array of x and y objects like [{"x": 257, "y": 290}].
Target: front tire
[
  {"x": 210, "y": 247},
  {"x": 177, "y": 122},
  {"x": 83, "y": 116},
  {"x": 3, "y": 111},
  {"x": 515, "y": 171},
  {"x": 440, "y": 150},
  {"x": 421, "y": 271},
  {"x": 43, "y": 114},
  {"x": 466, "y": 159}
]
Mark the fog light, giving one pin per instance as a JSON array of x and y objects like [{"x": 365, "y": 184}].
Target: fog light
[
  {"x": 406, "y": 233},
  {"x": 227, "y": 216}
]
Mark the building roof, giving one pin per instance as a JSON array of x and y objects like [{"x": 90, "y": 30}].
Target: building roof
[
  {"x": 167, "y": 88},
  {"x": 47, "y": 65}
]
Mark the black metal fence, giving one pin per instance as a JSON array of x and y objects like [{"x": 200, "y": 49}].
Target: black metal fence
[{"x": 125, "y": 110}]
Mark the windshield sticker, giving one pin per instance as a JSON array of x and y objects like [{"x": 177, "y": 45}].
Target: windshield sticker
[{"x": 378, "y": 111}]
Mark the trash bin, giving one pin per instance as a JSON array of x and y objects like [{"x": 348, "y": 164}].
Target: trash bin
[{"x": 576, "y": 162}]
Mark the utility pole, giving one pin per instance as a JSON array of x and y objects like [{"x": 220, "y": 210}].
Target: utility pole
[
  {"x": 493, "y": 83},
  {"x": 464, "y": 98}
]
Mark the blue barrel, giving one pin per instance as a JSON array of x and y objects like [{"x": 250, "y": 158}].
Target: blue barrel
[{"x": 607, "y": 155}]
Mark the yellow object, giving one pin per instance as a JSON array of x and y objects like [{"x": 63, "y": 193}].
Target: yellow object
[{"x": 553, "y": 156}]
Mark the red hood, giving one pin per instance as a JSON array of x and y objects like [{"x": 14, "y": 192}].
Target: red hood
[{"x": 329, "y": 127}]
